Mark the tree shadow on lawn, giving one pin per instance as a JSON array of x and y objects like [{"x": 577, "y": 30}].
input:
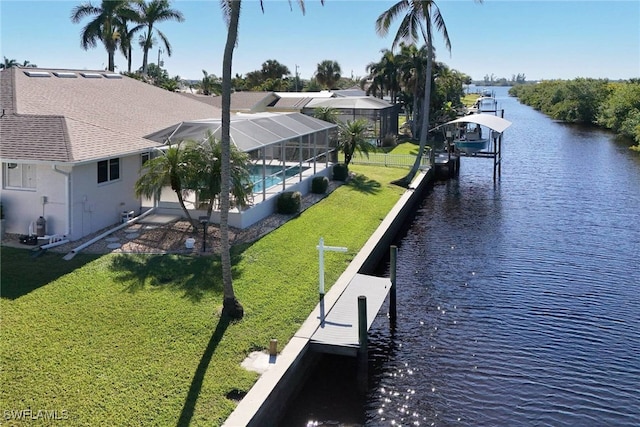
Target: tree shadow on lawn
[
  {"x": 198, "y": 377},
  {"x": 365, "y": 185},
  {"x": 195, "y": 276},
  {"x": 23, "y": 272}
]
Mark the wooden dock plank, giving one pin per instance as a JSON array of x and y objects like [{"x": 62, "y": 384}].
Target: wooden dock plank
[{"x": 338, "y": 330}]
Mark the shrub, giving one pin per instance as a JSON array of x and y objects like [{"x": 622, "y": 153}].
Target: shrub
[
  {"x": 289, "y": 202},
  {"x": 319, "y": 184},
  {"x": 340, "y": 172},
  {"x": 389, "y": 140}
]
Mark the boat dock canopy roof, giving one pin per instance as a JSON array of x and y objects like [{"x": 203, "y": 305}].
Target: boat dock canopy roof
[{"x": 489, "y": 120}]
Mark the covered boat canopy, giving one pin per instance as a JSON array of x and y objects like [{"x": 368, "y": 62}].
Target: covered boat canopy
[{"x": 489, "y": 120}]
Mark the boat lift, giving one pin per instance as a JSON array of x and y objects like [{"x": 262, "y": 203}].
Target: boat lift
[{"x": 497, "y": 125}]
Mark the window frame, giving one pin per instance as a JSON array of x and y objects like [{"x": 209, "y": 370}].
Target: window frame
[
  {"x": 111, "y": 167},
  {"x": 32, "y": 171}
]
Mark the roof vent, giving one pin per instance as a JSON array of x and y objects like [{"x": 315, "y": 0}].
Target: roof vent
[
  {"x": 37, "y": 74},
  {"x": 112, "y": 76},
  {"x": 91, "y": 75},
  {"x": 65, "y": 75}
]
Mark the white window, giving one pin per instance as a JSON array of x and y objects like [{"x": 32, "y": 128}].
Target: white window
[
  {"x": 20, "y": 176},
  {"x": 108, "y": 170}
]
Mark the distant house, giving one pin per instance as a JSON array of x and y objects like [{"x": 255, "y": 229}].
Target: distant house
[
  {"x": 72, "y": 144},
  {"x": 350, "y": 104}
]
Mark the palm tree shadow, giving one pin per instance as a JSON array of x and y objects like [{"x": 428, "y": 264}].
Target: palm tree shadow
[
  {"x": 364, "y": 185},
  {"x": 195, "y": 276},
  {"x": 198, "y": 377}
]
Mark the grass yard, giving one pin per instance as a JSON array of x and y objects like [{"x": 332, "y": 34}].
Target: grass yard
[{"x": 138, "y": 340}]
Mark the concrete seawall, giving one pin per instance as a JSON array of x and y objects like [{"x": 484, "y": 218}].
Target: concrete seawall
[{"x": 266, "y": 402}]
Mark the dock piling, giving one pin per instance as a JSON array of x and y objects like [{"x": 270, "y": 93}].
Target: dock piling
[
  {"x": 363, "y": 340},
  {"x": 392, "y": 292}
]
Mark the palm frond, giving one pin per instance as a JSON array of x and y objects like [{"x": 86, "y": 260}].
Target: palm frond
[
  {"x": 387, "y": 17},
  {"x": 165, "y": 42}
]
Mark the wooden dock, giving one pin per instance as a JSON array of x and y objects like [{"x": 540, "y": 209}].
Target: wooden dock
[{"x": 338, "y": 331}]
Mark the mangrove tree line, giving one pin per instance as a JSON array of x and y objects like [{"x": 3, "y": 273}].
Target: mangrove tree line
[{"x": 600, "y": 102}]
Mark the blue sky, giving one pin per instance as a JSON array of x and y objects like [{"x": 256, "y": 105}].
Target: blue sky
[{"x": 542, "y": 39}]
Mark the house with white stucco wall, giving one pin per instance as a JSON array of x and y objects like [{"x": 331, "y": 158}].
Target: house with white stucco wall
[{"x": 72, "y": 143}]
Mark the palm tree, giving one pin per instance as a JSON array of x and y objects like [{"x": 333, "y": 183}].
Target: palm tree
[
  {"x": 105, "y": 26},
  {"x": 151, "y": 13},
  {"x": 126, "y": 38},
  {"x": 167, "y": 169},
  {"x": 352, "y": 137},
  {"x": 419, "y": 20},
  {"x": 384, "y": 76},
  {"x": 231, "y": 307},
  {"x": 231, "y": 11},
  {"x": 328, "y": 114},
  {"x": 210, "y": 84},
  {"x": 205, "y": 158},
  {"x": 412, "y": 68},
  {"x": 328, "y": 73},
  {"x": 8, "y": 63}
]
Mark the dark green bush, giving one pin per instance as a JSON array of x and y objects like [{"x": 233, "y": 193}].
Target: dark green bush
[
  {"x": 319, "y": 184},
  {"x": 340, "y": 172},
  {"x": 289, "y": 202},
  {"x": 390, "y": 140}
]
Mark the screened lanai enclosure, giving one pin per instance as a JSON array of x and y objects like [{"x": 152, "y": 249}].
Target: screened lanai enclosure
[
  {"x": 286, "y": 151},
  {"x": 382, "y": 115}
]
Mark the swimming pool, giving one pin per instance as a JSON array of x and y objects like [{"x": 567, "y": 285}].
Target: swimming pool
[{"x": 272, "y": 176}]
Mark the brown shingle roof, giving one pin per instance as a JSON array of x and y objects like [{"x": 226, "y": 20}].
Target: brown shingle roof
[
  {"x": 81, "y": 119},
  {"x": 22, "y": 138}
]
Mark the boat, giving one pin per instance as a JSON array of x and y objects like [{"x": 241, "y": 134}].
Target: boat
[
  {"x": 469, "y": 139},
  {"x": 466, "y": 132}
]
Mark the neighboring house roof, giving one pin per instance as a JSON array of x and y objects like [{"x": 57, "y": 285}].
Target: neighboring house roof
[
  {"x": 290, "y": 103},
  {"x": 249, "y": 132},
  {"x": 75, "y": 116},
  {"x": 351, "y": 102},
  {"x": 210, "y": 100},
  {"x": 247, "y": 102},
  {"x": 320, "y": 94},
  {"x": 350, "y": 92}
]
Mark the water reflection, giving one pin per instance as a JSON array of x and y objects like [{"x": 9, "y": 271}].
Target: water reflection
[{"x": 518, "y": 302}]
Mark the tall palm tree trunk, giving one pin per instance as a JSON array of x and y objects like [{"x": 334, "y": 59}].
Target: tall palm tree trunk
[
  {"x": 231, "y": 306},
  {"x": 145, "y": 59},
  {"x": 424, "y": 128},
  {"x": 112, "y": 65},
  {"x": 129, "y": 60},
  {"x": 414, "y": 112}
]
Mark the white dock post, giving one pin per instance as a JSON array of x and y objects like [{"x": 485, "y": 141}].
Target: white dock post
[{"x": 321, "y": 248}]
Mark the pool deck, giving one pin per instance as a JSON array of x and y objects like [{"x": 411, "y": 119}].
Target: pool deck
[{"x": 265, "y": 402}]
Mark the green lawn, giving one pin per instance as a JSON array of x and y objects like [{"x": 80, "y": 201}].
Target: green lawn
[{"x": 137, "y": 340}]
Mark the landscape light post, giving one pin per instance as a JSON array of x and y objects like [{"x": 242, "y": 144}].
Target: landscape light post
[{"x": 204, "y": 220}]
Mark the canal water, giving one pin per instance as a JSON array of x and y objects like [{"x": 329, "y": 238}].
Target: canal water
[{"x": 518, "y": 302}]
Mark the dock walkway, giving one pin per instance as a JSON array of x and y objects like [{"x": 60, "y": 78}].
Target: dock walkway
[{"x": 338, "y": 329}]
